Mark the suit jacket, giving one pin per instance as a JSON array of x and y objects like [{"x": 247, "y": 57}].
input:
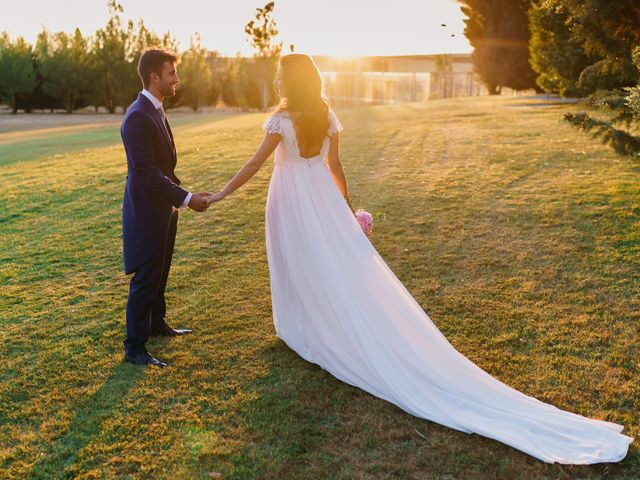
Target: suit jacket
[{"x": 152, "y": 188}]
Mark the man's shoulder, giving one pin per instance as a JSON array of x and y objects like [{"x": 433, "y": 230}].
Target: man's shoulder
[
  {"x": 136, "y": 106},
  {"x": 136, "y": 113}
]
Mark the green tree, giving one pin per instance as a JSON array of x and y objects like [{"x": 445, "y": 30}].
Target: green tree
[
  {"x": 195, "y": 75},
  {"x": 218, "y": 66},
  {"x": 499, "y": 32},
  {"x": 556, "y": 56},
  {"x": 63, "y": 61},
  {"x": 627, "y": 114},
  {"x": 232, "y": 92},
  {"x": 607, "y": 31},
  {"x": 110, "y": 62},
  {"x": 17, "y": 73},
  {"x": 261, "y": 31},
  {"x": 238, "y": 85},
  {"x": 633, "y": 99}
]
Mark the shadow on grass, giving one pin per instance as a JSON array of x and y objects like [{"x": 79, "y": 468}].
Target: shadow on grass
[
  {"x": 266, "y": 428},
  {"x": 62, "y": 453}
]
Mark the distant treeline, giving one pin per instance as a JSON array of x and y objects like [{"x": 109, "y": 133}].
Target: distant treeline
[{"x": 71, "y": 71}]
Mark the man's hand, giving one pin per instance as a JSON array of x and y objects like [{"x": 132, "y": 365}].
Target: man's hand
[{"x": 198, "y": 201}]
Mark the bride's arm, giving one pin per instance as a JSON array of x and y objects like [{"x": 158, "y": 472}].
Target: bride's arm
[
  {"x": 266, "y": 148},
  {"x": 335, "y": 167}
]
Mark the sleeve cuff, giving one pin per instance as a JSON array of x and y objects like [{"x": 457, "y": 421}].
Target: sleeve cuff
[{"x": 187, "y": 199}]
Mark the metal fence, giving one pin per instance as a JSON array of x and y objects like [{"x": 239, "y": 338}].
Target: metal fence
[{"x": 355, "y": 88}]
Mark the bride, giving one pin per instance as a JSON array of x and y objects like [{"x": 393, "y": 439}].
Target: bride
[{"x": 338, "y": 305}]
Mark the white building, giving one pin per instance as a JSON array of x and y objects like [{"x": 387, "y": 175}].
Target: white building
[{"x": 412, "y": 78}]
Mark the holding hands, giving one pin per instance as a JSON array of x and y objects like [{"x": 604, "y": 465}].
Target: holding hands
[
  {"x": 201, "y": 201},
  {"x": 215, "y": 197},
  {"x": 198, "y": 201},
  {"x": 249, "y": 169}
]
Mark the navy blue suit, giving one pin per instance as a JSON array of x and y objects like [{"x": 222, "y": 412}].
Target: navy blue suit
[{"x": 149, "y": 218}]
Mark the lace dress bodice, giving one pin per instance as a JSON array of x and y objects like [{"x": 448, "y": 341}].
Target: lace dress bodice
[{"x": 288, "y": 152}]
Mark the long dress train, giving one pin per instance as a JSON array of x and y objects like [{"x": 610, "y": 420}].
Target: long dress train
[{"x": 338, "y": 305}]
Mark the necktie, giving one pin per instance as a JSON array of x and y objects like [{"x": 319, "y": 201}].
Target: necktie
[{"x": 163, "y": 117}]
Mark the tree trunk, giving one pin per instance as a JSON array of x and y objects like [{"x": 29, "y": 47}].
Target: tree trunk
[
  {"x": 265, "y": 94},
  {"x": 493, "y": 88},
  {"x": 264, "y": 83},
  {"x": 69, "y": 104},
  {"x": 110, "y": 103}
]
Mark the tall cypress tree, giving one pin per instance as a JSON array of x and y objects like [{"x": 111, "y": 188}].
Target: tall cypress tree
[{"x": 499, "y": 32}]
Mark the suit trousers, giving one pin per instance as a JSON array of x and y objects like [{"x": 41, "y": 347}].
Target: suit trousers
[{"x": 146, "y": 306}]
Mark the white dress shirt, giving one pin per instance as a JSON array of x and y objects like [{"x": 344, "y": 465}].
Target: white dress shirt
[{"x": 157, "y": 104}]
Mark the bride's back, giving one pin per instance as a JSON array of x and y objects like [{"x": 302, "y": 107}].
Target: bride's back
[
  {"x": 306, "y": 149},
  {"x": 289, "y": 149}
]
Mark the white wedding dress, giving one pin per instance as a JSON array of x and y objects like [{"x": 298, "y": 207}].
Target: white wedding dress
[{"x": 338, "y": 305}]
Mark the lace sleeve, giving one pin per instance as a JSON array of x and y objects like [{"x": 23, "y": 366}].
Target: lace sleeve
[
  {"x": 272, "y": 125},
  {"x": 334, "y": 123}
]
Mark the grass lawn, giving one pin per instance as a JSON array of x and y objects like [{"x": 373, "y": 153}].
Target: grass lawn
[{"x": 517, "y": 234}]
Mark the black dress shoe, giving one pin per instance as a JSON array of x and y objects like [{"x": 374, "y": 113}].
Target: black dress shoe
[
  {"x": 144, "y": 358},
  {"x": 167, "y": 331}
]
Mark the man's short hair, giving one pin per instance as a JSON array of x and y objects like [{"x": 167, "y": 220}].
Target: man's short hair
[{"x": 151, "y": 61}]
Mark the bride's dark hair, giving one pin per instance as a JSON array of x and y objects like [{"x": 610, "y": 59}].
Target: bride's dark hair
[{"x": 303, "y": 99}]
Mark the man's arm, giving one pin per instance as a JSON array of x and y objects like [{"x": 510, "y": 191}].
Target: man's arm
[{"x": 137, "y": 138}]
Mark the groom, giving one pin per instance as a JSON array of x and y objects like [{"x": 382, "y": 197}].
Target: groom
[{"x": 152, "y": 197}]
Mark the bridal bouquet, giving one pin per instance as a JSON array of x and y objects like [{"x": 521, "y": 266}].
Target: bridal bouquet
[{"x": 365, "y": 219}]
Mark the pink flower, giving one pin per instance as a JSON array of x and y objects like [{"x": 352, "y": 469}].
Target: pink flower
[{"x": 365, "y": 219}]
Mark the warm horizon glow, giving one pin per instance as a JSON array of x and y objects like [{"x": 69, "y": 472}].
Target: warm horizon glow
[{"x": 343, "y": 28}]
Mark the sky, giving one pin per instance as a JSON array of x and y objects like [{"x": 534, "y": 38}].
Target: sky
[{"x": 345, "y": 28}]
